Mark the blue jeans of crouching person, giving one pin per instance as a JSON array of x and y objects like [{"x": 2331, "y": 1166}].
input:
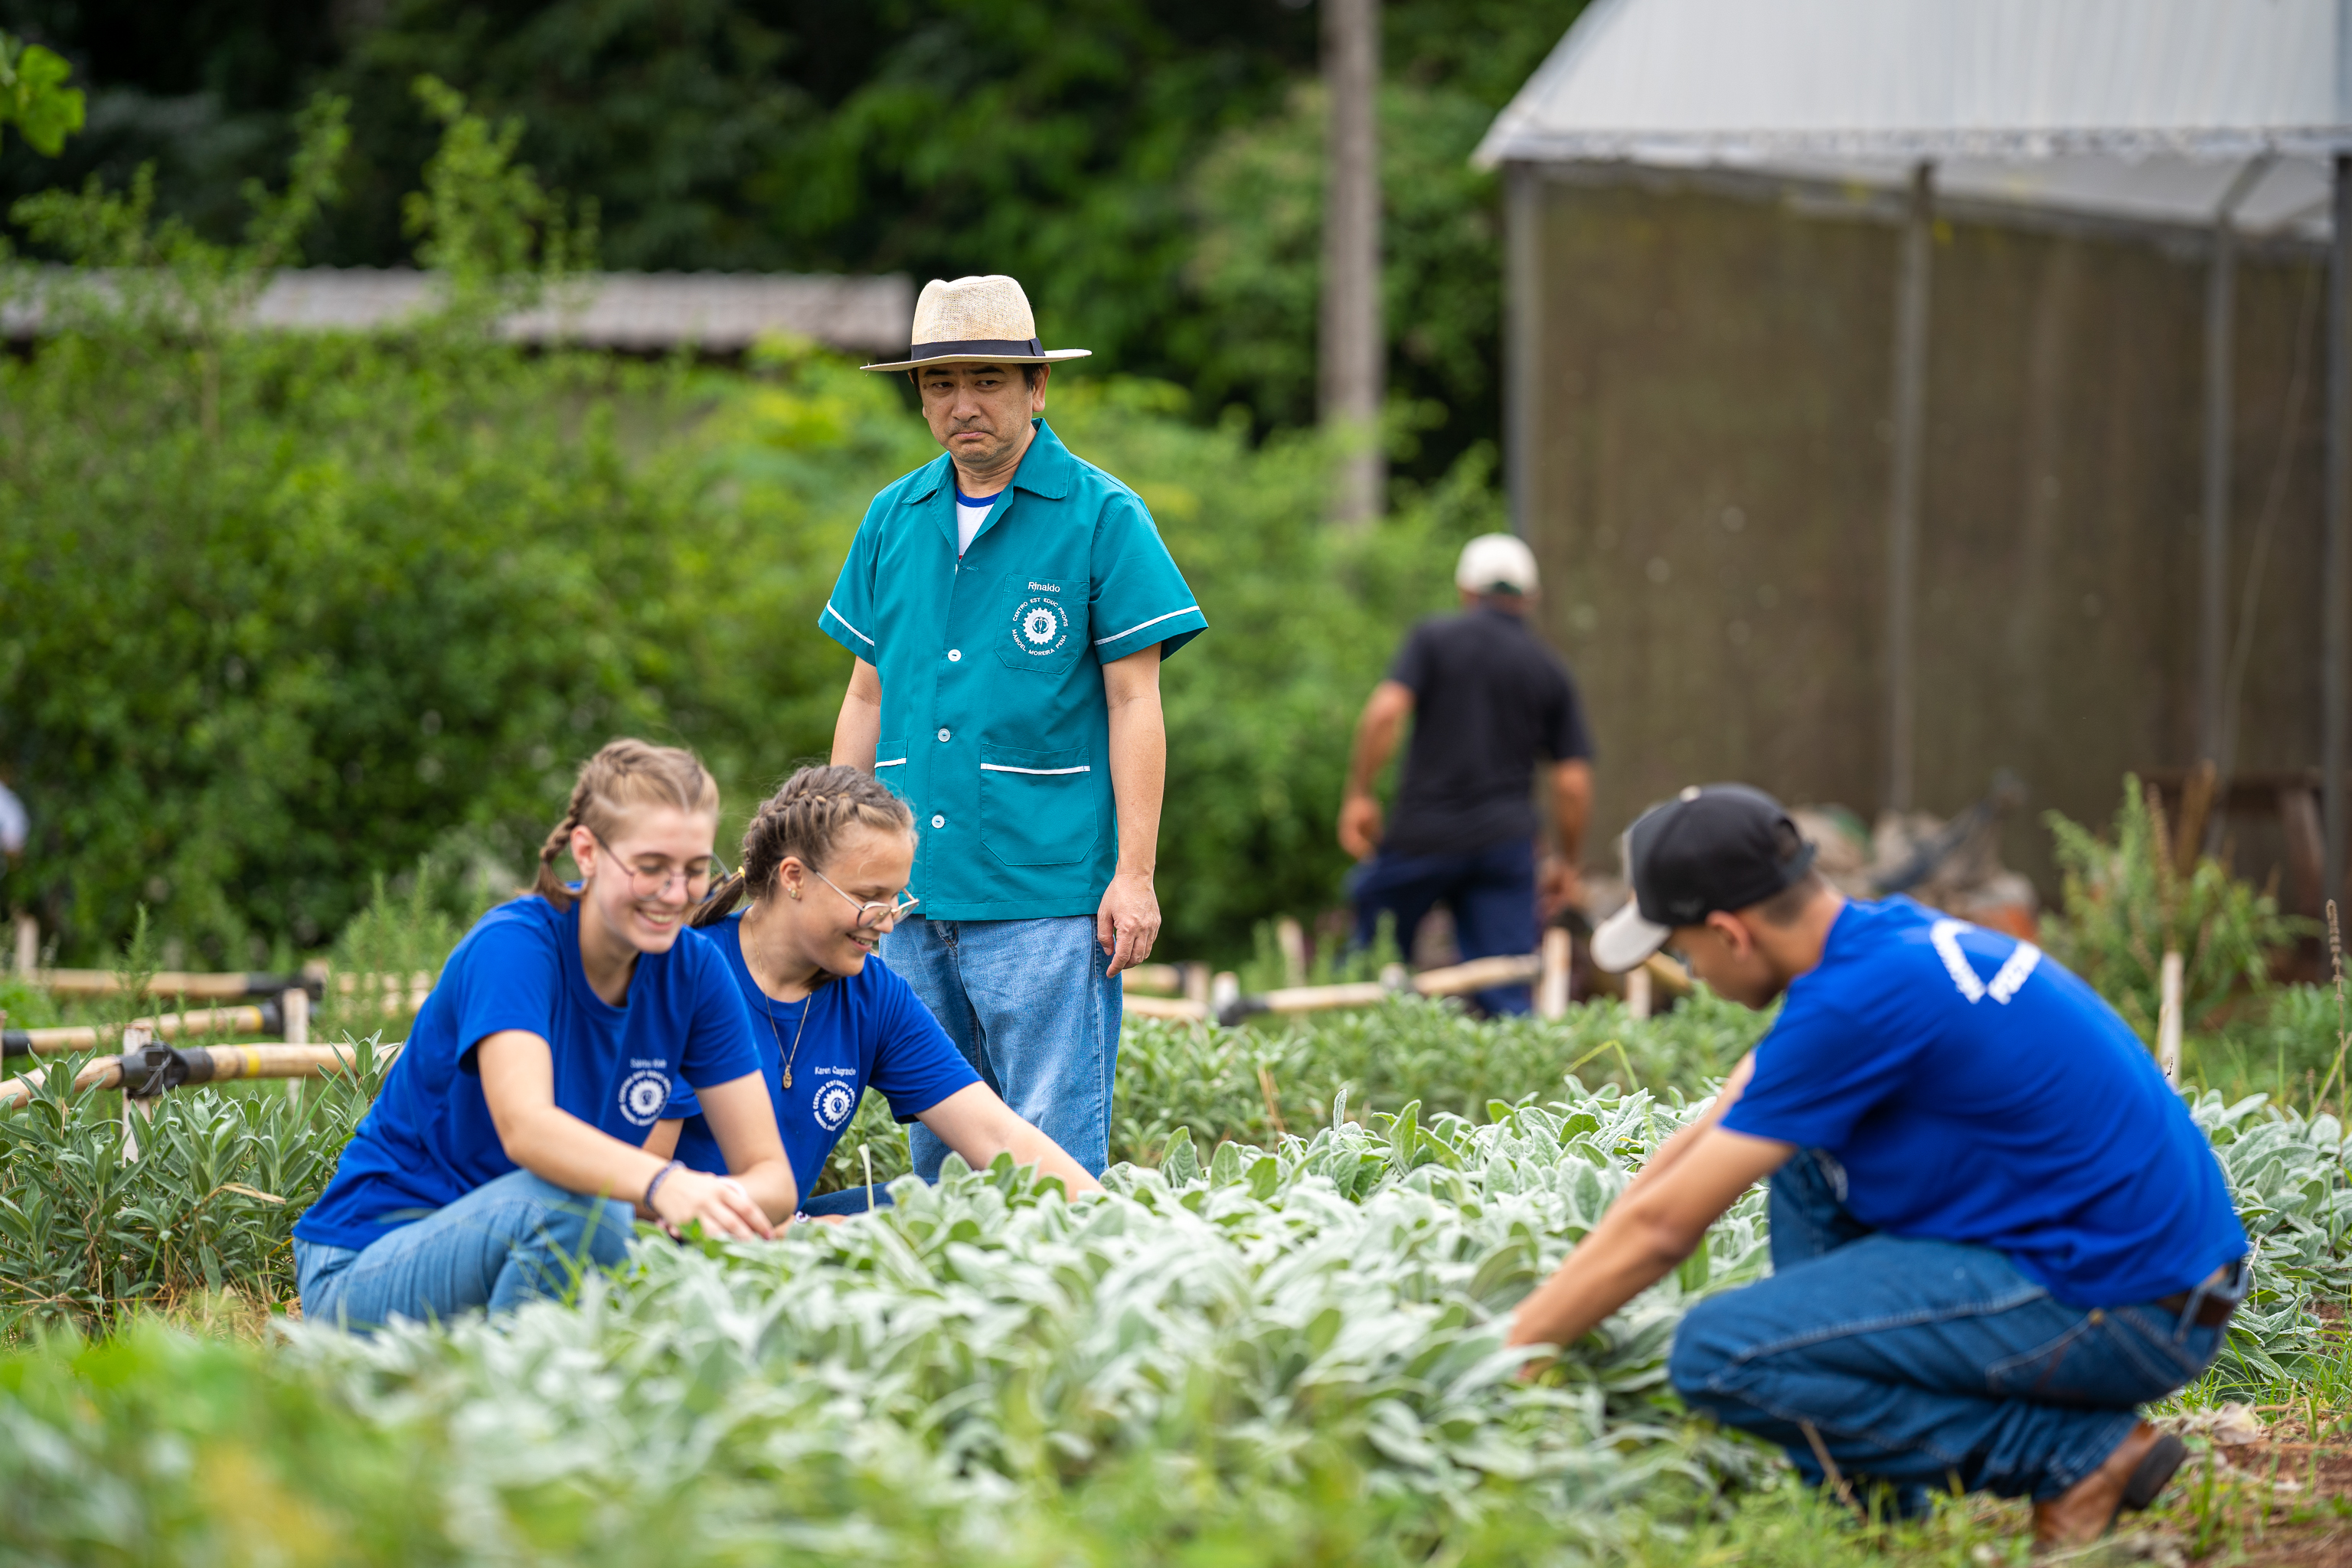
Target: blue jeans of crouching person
[
  {"x": 1027, "y": 1004},
  {"x": 507, "y": 1242},
  {"x": 1924, "y": 1366}
]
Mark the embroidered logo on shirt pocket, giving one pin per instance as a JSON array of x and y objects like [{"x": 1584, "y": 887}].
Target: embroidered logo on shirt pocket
[
  {"x": 1037, "y": 808},
  {"x": 1042, "y": 621}
]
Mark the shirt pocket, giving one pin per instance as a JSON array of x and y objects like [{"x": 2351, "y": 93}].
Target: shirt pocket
[
  {"x": 1037, "y": 808},
  {"x": 1041, "y": 621},
  {"x": 890, "y": 766}
]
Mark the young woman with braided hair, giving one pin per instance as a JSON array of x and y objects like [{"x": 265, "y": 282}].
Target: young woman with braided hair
[
  {"x": 825, "y": 863},
  {"x": 507, "y": 1146}
]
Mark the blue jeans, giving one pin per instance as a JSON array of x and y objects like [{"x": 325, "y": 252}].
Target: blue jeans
[
  {"x": 1923, "y": 1364},
  {"x": 1492, "y": 892},
  {"x": 505, "y": 1243},
  {"x": 848, "y": 1200},
  {"x": 1027, "y": 1004}
]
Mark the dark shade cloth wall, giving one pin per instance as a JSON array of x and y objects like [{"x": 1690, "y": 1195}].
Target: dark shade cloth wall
[{"x": 1708, "y": 495}]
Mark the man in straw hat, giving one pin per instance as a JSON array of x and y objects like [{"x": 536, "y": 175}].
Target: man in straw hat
[
  {"x": 1487, "y": 701},
  {"x": 1008, "y": 606},
  {"x": 1996, "y": 1231}
]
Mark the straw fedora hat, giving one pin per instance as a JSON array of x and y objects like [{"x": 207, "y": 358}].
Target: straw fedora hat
[{"x": 976, "y": 321}]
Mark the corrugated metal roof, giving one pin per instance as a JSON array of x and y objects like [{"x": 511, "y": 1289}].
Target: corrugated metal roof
[
  {"x": 2145, "y": 111},
  {"x": 721, "y": 311}
]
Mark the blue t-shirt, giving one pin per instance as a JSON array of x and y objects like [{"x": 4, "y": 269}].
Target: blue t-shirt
[
  {"x": 428, "y": 1140},
  {"x": 868, "y": 1028},
  {"x": 1975, "y": 1091}
]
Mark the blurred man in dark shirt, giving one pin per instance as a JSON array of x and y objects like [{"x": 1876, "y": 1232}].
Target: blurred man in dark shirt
[{"x": 1488, "y": 700}]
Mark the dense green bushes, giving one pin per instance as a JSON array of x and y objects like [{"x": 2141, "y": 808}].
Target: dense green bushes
[{"x": 288, "y": 611}]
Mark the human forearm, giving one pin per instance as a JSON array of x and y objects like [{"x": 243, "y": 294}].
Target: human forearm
[
  {"x": 1139, "y": 773},
  {"x": 858, "y": 728},
  {"x": 1376, "y": 739},
  {"x": 1683, "y": 1142},
  {"x": 770, "y": 1185},
  {"x": 1031, "y": 1148},
  {"x": 557, "y": 1146},
  {"x": 1572, "y": 807},
  {"x": 979, "y": 1126},
  {"x": 1654, "y": 1224},
  {"x": 1624, "y": 1256}
]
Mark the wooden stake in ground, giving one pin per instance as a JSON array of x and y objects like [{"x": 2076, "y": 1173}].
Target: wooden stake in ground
[
  {"x": 1637, "y": 991},
  {"x": 29, "y": 944},
  {"x": 294, "y": 1008},
  {"x": 2168, "y": 1015},
  {"x": 1551, "y": 987}
]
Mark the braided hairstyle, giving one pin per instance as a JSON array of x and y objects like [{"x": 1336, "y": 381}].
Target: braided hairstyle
[
  {"x": 622, "y": 774},
  {"x": 805, "y": 819}
]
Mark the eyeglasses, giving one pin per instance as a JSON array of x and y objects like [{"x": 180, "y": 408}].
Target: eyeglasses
[
  {"x": 653, "y": 882},
  {"x": 871, "y": 912}
]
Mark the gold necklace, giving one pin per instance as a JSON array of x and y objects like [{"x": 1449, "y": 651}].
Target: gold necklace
[{"x": 767, "y": 1006}]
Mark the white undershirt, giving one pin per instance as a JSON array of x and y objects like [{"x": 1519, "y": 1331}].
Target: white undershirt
[{"x": 971, "y": 512}]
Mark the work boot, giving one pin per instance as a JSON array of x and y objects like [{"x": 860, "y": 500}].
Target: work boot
[{"x": 2131, "y": 1477}]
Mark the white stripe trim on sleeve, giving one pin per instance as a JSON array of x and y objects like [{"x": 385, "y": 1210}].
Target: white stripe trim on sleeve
[
  {"x": 1187, "y": 610},
  {"x": 861, "y": 636},
  {"x": 893, "y": 762},
  {"x": 1000, "y": 768}
]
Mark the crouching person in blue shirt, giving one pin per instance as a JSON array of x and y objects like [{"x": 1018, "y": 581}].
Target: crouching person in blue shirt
[
  {"x": 506, "y": 1151},
  {"x": 1995, "y": 1230},
  {"x": 825, "y": 863}
]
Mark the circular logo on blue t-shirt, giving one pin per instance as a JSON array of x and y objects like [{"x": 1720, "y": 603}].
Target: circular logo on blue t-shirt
[
  {"x": 835, "y": 1102},
  {"x": 642, "y": 1095}
]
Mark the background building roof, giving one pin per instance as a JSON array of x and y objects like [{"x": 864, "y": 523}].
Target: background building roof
[
  {"x": 718, "y": 311},
  {"x": 2139, "y": 110}
]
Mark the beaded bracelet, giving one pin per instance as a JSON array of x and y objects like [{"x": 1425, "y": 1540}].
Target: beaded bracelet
[{"x": 655, "y": 1186}]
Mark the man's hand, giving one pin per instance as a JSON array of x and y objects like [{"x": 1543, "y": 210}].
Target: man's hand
[
  {"x": 1127, "y": 922},
  {"x": 1360, "y": 826},
  {"x": 1559, "y": 886}
]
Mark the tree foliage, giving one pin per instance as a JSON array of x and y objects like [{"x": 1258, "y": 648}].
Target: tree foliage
[
  {"x": 34, "y": 96},
  {"x": 290, "y": 610},
  {"x": 2126, "y": 905},
  {"x": 1149, "y": 169}
]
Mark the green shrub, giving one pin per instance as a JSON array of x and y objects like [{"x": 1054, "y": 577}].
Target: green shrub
[
  {"x": 287, "y": 612},
  {"x": 2126, "y": 905}
]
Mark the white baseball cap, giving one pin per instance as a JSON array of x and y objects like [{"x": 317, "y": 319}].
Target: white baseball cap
[{"x": 1497, "y": 563}]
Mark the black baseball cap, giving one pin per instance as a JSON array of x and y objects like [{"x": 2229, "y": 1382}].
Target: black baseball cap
[{"x": 1713, "y": 847}]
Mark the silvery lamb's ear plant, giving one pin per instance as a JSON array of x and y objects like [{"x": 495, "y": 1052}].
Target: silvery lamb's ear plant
[{"x": 985, "y": 1346}]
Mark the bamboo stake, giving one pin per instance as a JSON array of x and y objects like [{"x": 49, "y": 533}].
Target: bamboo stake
[
  {"x": 2168, "y": 1015},
  {"x": 168, "y": 1025},
  {"x": 1551, "y": 989},
  {"x": 1637, "y": 991},
  {"x": 294, "y": 1006},
  {"x": 214, "y": 1064}
]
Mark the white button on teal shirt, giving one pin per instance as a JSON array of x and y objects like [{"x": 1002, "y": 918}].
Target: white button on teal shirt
[{"x": 1067, "y": 574}]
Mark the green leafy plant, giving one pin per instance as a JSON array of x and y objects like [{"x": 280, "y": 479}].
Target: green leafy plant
[
  {"x": 34, "y": 96},
  {"x": 2126, "y": 905}
]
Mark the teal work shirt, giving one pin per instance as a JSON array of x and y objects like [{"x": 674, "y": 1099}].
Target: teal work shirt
[{"x": 995, "y": 727}]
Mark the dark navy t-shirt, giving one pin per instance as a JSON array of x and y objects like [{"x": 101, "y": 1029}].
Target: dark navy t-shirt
[
  {"x": 1976, "y": 1092},
  {"x": 1489, "y": 699},
  {"x": 868, "y": 1028},
  {"x": 428, "y": 1140}
]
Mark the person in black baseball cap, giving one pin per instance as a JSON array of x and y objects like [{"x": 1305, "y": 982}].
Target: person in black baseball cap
[{"x": 1995, "y": 1229}]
